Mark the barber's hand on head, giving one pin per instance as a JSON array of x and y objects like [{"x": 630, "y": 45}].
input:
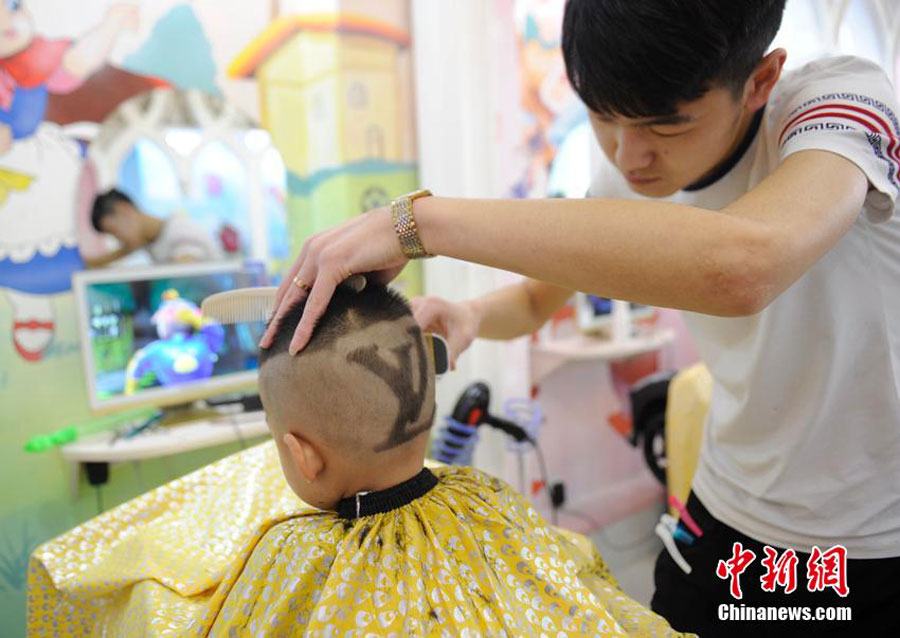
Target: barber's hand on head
[
  {"x": 365, "y": 244},
  {"x": 456, "y": 322}
]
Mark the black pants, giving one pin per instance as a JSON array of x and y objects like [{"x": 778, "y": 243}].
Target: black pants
[{"x": 691, "y": 602}]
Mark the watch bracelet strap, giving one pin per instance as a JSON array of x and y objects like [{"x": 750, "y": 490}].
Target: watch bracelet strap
[{"x": 405, "y": 225}]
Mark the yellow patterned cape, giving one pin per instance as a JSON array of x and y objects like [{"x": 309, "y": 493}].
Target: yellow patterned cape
[{"x": 230, "y": 551}]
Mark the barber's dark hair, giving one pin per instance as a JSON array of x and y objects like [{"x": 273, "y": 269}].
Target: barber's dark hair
[
  {"x": 347, "y": 311},
  {"x": 642, "y": 58},
  {"x": 105, "y": 204}
]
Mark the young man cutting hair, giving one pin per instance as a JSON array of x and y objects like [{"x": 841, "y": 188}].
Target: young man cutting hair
[{"x": 761, "y": 203}]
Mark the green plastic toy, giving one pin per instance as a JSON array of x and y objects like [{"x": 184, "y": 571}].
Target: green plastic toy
[{"x": 44, "y": 442}]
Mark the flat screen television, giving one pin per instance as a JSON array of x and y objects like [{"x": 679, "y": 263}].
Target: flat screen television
[{"x": 145, "y": 343}]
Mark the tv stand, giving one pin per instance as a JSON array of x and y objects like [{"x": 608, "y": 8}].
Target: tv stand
[
  {"x": 185, "y": 428},
  {"x": 188, "y": 413}
]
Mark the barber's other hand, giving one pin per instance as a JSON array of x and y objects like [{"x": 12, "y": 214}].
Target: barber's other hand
[
  {"x": 365, "y": 244},
  {"x": 456, "y": 322}
]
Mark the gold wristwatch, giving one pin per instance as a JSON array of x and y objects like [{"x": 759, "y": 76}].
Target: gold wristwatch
[{"x": 405, "y": 224}]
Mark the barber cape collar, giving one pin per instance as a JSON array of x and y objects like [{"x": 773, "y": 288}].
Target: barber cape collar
[{"x": 383, "y": 501}]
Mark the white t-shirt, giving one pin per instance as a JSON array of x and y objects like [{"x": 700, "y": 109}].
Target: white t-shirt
[
  {"x": 801, "y": 446},
  {"x": 182, "y": 239}
]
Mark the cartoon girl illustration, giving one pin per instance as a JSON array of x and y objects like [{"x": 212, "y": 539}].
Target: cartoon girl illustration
[
  {"x": 40, "y": 165},
  {"x": 31, "y": 67},
  {"x": 38, "y": 242}
]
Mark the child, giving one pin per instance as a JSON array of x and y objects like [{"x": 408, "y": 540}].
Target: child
[
  {"x": 389, "y": 548},
  {"x": 397, "y": 548}
]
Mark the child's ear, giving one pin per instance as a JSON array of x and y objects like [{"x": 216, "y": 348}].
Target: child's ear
[{"x": 306, "y": 458}]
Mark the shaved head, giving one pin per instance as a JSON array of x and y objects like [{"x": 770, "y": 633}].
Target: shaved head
[{"x": 363, "y": 384}]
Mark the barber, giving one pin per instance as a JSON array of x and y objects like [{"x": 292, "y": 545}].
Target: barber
[{"x": 761, "y": 204}]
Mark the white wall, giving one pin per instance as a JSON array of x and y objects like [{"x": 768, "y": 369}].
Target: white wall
[{"x": 466, "y": 117}]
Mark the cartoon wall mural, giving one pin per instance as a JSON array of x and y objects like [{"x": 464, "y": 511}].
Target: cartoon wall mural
[
  {"x": 192, "y": 68},
  {"x": 556, "y": 136},
  {"x": 40, "y": 165},
  {"x": 32, "y": 67},
  {"x": 38, "y": 249},
  {"x": 191, "y": 153},
  {"x": 336, "y": 72}
]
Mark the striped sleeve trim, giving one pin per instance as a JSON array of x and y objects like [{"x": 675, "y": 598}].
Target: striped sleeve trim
[{"x": 834, "y": 115}]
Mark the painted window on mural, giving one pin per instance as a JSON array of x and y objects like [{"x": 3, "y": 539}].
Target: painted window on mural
[
  {"x": 218, "y": 196},
  {"x": 148, "y": 175}
]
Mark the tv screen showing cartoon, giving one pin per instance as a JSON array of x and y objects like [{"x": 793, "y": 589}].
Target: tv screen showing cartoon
[{"x": 147, "y": 333}]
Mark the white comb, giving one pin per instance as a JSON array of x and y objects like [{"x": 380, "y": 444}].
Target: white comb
[
  {"x": 257, "y": 304},
  {"x": 252, "y": 304},
  {"x": 241, "y": 305}
]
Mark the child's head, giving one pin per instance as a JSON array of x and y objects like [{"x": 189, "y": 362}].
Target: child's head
[
  {"x": 351, "y": 411},
  {"x": 671, "y": 86}
]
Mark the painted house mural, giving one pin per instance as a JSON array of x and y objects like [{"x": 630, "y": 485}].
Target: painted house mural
[{"x": 335, "y": 95}]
